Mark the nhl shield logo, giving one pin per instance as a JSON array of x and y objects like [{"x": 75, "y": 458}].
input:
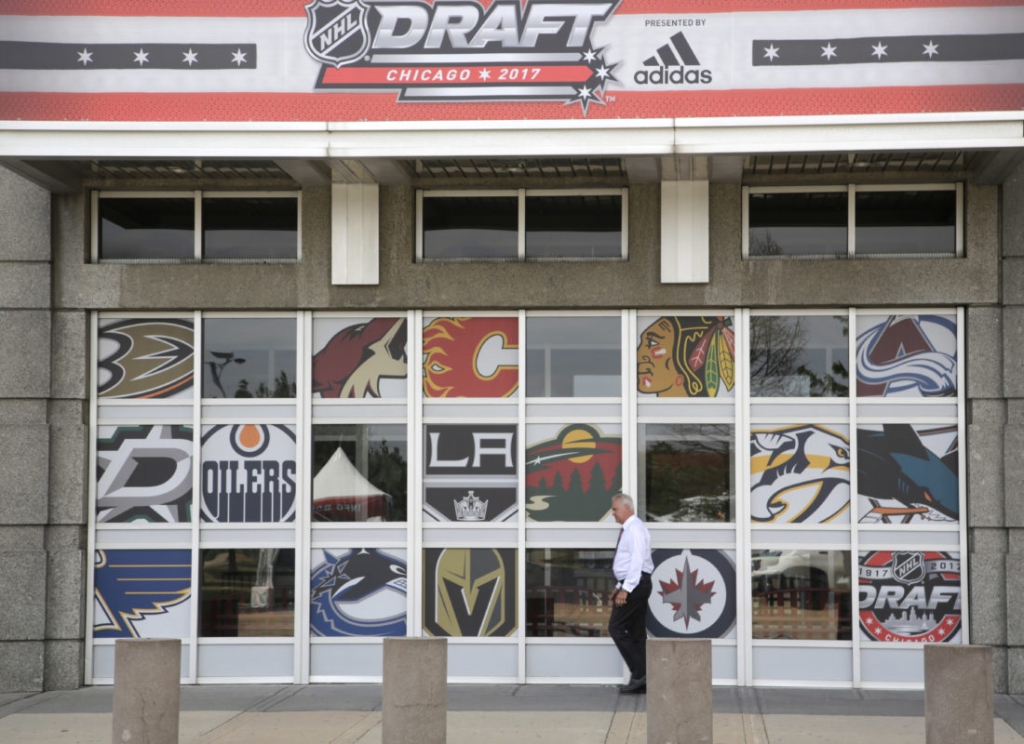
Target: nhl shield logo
[{"x": 337, "y": 32}]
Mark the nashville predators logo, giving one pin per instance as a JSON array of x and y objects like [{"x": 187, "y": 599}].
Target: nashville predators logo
[
  {"x": 145, "y": 358},
  {"x": 471, "y": 358},
  {"x": 799, "y": 474},
  {"x": 473, "y": 592}
]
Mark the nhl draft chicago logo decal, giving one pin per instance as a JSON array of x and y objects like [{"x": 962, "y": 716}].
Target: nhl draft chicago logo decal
[
  {"x": 451, "y": 50},
  {"x": 910, "y": 596},
  {"x": 694, "y": 594}
]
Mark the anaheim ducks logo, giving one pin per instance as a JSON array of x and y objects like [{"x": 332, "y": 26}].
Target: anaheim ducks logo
[
  {"x": 471, "y": 358},
  {"x": 473, "y": 593},
  {"x": 799, "y": 474},
  {"x": 145, "y": 358}
]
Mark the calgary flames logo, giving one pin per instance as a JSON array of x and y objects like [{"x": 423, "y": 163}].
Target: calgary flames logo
[{"x": 471, "y": 358}]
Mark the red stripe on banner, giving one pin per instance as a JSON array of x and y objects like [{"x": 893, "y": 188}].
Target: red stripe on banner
[
  {"x": 327, "y": 106},
  {"x": 485, "y": 75},
  {"x": 289, "y": 8}
]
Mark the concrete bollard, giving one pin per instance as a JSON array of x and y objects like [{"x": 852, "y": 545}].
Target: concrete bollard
[
  {"x": 147, "y": 690},
  {"x": 958, "y": 694},
  {"x": 415, "y": 694},
  {"x": 679, "y": 709}
]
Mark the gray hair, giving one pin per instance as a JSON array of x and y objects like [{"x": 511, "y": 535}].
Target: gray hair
[{"x": 626, "y": 499}]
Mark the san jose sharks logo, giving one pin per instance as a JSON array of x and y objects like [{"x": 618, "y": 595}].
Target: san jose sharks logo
[
  {"x": 142, "y": 593},
  {"x": 359, "y": 593}
]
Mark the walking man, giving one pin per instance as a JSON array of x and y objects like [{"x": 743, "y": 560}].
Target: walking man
[{"x": 632, "y": 566}]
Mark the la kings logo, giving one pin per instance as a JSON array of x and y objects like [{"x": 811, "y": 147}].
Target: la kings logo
[
  {"x": 510, "y": 50},
  {"x": 673, "y": 63}
]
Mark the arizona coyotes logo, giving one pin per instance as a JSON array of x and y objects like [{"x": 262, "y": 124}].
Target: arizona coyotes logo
[
  {"x": 910, "y": 596},
  {"x": 471, "y": 358},
  {"x": 145, "y": 358},
  {"x": 357, "y": 358},
  {"x": 799, "y": 474},
  {"x": 336, "y": 31},
  {"x": 473, "y": 593}
]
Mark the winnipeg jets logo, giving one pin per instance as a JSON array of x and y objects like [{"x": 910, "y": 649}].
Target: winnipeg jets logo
[{"x": 694, "y": 594}]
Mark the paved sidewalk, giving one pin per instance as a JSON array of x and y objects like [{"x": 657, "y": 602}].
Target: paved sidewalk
[{"x": 490, "y": 714}]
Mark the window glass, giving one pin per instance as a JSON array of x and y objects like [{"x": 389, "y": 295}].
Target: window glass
[
  {"x": 247, "y": 592},
  {"x": 800, "y": 473},
  {"x": 801, "y": 594},
  {"x": 686, "y": 472},
  {"x": 906, "y": 223},
  {"x": 579, "y": 226},
  {"x": 249, "y": 357},
  {"x": 471, "y": 227},
  {"x": 360, "y": 357},
  {"x": 251, "y": 227},
  {"x": 799, "y": 356},
  {"x": 360, "y": 472},
  {"x": 147, "y": 228},
  {"x": 568, "y": 592},
  {"x": 798, "y": 224},
  {"x": 573, "y": 357}
]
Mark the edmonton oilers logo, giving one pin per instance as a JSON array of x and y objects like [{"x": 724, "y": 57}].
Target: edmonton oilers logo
[
  {"x": 250, "y": 440},
  {"x": 336, "y": 31},
  {"x": 248, "y": 473}
]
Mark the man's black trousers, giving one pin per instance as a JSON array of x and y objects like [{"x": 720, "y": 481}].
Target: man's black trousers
[{"x": 628, "y": 628}]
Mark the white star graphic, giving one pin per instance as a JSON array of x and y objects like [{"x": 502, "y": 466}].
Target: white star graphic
[
  {"x": 85, "y": 56},
  {"x": 589, "y": 56},
  {"x": 879, "y": 50},
  {"x": 828, "y": 51},
  {"x": 601, "y": 72},
  {"x": 931, "y": 49},
  {"x": 191, "y": 58},
  {"x": 584, "y": 92},
  {"x": 141, "y": 57},
  {"x": 771, "y": 52},
  {"x": 485, "y": 74},
  {"x": 238, "y": 57}
]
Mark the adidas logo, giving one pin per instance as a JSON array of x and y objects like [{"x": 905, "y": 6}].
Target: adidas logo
[{"x": 670, "y": 63}]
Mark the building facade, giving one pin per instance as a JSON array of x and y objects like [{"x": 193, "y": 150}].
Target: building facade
[{"x": 355, "y": 332}]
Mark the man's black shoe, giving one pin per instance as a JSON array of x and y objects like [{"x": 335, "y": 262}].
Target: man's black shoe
[{"x": 634, "y": 686}]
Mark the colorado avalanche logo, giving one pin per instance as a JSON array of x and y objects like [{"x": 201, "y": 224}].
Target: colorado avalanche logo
[
  {"x": 694, "y": 594},
  {"x": 910, "y": 596},
  {"x": 336, "y": 31},
  {"x": 907, "y": 356},
  {"x": 358, "y": 593}
]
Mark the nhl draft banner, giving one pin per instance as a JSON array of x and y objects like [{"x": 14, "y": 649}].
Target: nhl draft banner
[{"x": 378, "y": 60}]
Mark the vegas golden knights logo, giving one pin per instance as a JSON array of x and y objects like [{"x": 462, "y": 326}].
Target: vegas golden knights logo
[{"x": 470, "y": 592}]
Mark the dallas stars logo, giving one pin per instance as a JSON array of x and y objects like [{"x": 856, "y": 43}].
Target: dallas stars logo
[{"x": 687, "y": 594}]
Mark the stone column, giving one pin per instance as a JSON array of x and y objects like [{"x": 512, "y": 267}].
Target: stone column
[
  {"x": 415, "y": 694},
  {"x": 679, "y": 709},
  {"x": 958, "y": 706},
  {"x": 147, "y": 691}
]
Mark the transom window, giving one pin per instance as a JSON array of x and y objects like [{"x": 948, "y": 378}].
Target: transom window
[
  {"x": 521, "y": 225},
  {"x": 195, "y": 226},
  {"x": 922, "y": 221}
]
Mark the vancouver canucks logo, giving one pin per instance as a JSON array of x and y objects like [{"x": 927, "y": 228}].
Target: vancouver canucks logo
[
  {"x": 694, "y": 594},
  {"x": 336, "y": 31},
  {"x": 358, "y": 593}
]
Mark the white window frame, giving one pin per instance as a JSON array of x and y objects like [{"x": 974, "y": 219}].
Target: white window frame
[
  {"x": 851, "y": 216},
  {"x": 197, "y": 196},
  {"x": 521, "y": 194}
]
